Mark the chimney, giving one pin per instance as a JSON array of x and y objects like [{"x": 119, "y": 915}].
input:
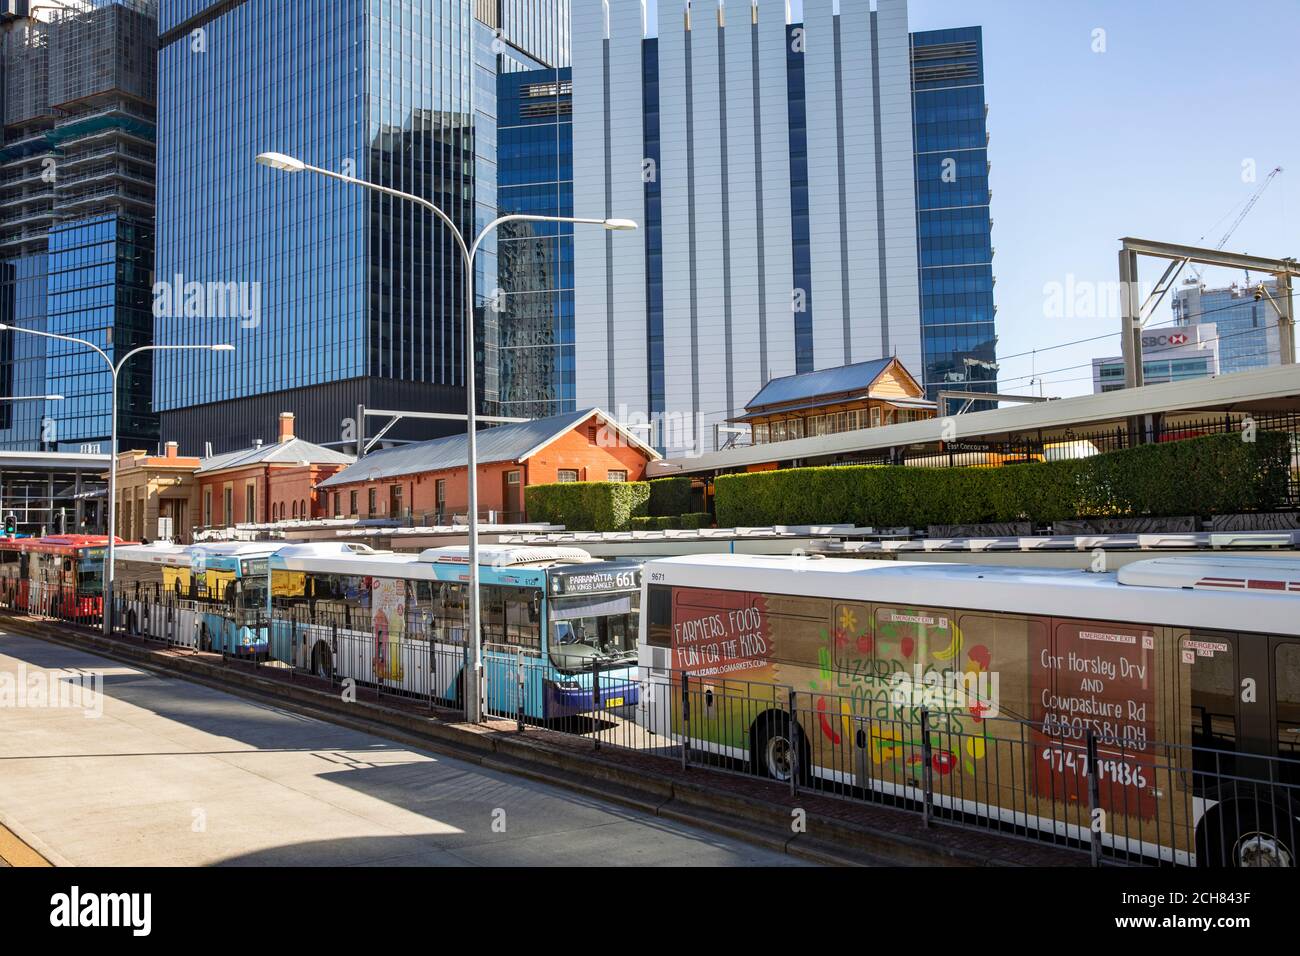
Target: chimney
[
  {"x": 286, "y": 426},
  {"x": 173, "y": 449}
]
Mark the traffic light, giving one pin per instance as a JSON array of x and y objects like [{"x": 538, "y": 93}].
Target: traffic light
[{"x": 11, "y": 525}]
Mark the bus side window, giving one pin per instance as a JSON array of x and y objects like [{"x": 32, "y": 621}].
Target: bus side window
[
  {"x": 1286, "y": 692},
  {"x": 659, "y": 623}
]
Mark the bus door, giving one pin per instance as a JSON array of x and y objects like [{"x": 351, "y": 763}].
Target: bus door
[{"x": 512, "y": 645}]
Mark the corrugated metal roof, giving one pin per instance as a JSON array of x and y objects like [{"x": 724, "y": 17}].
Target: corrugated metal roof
[
  {"x": 827, "y": 381},
  {"x": 501, "y": 443},
  {"x": 292, "y": 452}
]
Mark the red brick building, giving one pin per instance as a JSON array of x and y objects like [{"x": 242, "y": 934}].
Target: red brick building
[
  {"x": 427, "y": 480},
  {"x": 267, "y": 482}
]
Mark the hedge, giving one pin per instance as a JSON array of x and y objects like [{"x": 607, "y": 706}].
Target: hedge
[
  {"x": 1216, "y": 474},
  {"x": 670, "y": 496},
  {"x": 696, "y": 519},
  {"x": 588, "y": 505}
]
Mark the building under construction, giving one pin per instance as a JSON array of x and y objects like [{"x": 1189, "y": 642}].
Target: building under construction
[
  {"x": 78, "y": 93},
  {"x": 76, "y": 217}
]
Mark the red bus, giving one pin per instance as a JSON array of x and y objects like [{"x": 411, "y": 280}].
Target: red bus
[{"x": 58, "y": 576}]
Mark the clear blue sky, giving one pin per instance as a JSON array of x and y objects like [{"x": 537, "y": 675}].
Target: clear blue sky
[{"x": 1145, "y": 139}]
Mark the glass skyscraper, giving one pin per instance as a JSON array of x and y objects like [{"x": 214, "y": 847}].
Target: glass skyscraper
[
  {"x": 76, "y": 221},
  {"x": 1246, "y": 326},
  {"x": 534, "y": 305},
  {"x": 334, "y": 296},
  {"x": 954, "y": 229},
  {"x": 100, "y": 274}
]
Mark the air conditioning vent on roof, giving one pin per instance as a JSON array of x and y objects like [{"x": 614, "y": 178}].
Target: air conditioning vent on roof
[{"x": 1266, "y": 575}]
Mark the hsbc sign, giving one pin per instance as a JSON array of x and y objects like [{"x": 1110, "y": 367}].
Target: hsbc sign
[{"x": 1165, "y": 340}]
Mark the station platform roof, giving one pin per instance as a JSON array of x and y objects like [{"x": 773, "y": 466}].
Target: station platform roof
[{"x": 1268, "y": 390}]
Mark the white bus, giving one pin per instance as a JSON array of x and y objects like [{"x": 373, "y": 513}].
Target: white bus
[
  {"x": 552, "y": 619},
  {"x": 1182, "y": 674},
  {"x": 209, "y": 596}
]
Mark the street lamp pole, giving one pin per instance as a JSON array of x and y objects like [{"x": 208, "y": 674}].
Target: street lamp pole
[
  {"x": 289, "y": 164},
  {"x": 114, "y": 369}
]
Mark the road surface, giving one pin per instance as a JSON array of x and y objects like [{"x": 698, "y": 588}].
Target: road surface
[{"x": 174, "y": 773}]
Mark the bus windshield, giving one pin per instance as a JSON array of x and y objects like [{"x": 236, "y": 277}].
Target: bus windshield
[
  {"x": 90, "y": 572},
  {"x": 594, "y": 627}
]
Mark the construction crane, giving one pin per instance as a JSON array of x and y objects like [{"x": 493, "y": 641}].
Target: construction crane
[{"x": 1250, "y": 204}]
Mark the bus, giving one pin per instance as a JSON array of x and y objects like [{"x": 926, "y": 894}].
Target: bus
[
  {"x": 57, "y": 576},
  {"x": 210, "y": 596},
  {"x": 552, "y": 618},
  {"x": 985, "y": 692}
]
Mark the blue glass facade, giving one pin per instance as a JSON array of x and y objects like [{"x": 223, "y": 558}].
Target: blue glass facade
[
  {"x": 264, "y": 77},
  {"x": 654, "y": 228},
  {"x": 800, "y": 241},
  {"x": 22, "y": 357},
  {"x": 1247, "y": 329},
  {"x": 346, "y": 296},
  {"x": 534, "y": 305},
  {"x": 98, "y": 289},
  {"x": 954, "y": 231}
]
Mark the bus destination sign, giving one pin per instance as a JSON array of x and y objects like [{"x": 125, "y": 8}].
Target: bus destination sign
[{"x": 590, "y": 581}]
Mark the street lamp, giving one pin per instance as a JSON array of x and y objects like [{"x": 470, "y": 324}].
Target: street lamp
[
  {"x": 115, "y": 368},
  {"x": 291, "y": 164}
]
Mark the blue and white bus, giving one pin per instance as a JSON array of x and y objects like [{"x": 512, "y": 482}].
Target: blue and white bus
[
  {"x": 210, "y": 596},
  {"x": 551, "y": 619}
]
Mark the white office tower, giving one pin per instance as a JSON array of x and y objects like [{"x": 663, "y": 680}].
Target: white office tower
[{"x": 770, "y": 164}]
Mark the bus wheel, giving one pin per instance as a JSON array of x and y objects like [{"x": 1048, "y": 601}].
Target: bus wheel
[
  {"x": 1243, "y": 835},
  {"x": 322, "y": 662},
  {"x": 774, "y": 749}
]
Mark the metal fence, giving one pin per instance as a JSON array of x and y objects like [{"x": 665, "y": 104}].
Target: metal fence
[
  {"x": 1118, "y": 801},
  {"x": 51, "y": 601},
  {"x": 1147, "y": 802}
]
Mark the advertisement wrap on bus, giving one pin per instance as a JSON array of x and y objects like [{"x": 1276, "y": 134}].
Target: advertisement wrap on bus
[{"x": 891, "y": 689}]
